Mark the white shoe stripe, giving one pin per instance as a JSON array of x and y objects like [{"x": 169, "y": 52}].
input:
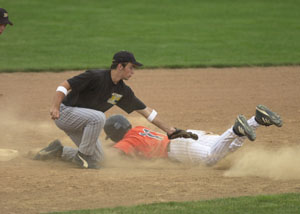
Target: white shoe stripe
[
  {"x": 85, "y": 163},
  {"x": 44, "y": 153},
  {"x": 266, "y": 120},
  {"x": 241, "y": 130},
  {"x": 262, "y": 111}
]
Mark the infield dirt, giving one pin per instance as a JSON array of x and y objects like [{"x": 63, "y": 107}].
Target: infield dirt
[{"x": 204, "y": 99}]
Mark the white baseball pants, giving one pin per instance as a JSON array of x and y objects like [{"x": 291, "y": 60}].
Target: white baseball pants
[{"x": 208, "y": 149}]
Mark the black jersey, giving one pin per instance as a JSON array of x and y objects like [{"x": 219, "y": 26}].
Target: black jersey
[{"x": 95, "y": 89}]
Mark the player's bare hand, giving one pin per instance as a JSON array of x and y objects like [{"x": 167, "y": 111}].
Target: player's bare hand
[{"x": 54, "y": 113}]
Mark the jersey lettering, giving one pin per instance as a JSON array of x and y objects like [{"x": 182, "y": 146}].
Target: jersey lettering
[
  {"x": 114, "y": 98},
  {"x": 147, "y": 133}
]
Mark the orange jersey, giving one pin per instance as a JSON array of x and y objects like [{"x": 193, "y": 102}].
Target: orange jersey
[{"x": 141, "y": 141}]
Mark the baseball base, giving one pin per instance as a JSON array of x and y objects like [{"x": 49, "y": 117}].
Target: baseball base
[{"x": 8, "y": 154}]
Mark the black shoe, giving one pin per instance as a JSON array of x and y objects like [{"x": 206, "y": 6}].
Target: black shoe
[
  {"x": 85, "y": 161},
  {"x": 52, "y": 151},
  {"x": 242, "y": 128},
  {"x": 266, "y": 117}
]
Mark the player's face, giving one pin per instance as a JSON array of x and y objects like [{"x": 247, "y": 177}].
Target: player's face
[
  {"x": 128, "y": 71},
  {"x": 2, "y": 28}
]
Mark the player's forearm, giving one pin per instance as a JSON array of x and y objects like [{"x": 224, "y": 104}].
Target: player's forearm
[
  {"x": 57, "y": 99},
  {"x": 60, "y": 94},
  {"x": 152, "y": 116},
  {"x": 160, "y": 124}
]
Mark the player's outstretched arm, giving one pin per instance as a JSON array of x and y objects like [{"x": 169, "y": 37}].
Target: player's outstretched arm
[
  {"x": 172, "y": 132},
  {"x": 152, "y": 116}
]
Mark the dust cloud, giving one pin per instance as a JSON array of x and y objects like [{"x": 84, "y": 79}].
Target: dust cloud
[
  {"x": 279, "y": 164},
  {"x": 24, "y": 135}
]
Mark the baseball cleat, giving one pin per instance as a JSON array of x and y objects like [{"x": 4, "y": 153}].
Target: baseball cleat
[
  {"x": 85, "y": 161},
  {"x": 266, "y": 117},
  {"x": 242, "y": 128},
  {"x": 52, "y": 151}
]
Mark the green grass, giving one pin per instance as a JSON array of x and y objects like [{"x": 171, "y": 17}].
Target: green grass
[
  {"x": 80, "y": 34},
  {"x": 269, "y": 204}
]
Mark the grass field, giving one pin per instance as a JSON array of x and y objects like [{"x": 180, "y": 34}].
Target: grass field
[
  {"x": 78, "y": 34},
  {"x": 272, "y": 204}
]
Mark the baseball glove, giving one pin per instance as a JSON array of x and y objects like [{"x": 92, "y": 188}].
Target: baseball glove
[{"x": 182, "y": 133}]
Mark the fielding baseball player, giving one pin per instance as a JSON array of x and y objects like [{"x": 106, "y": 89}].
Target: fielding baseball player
[
  {"x": 4, "y": 21},
  {"x": 79, "y": 105},
  {"x": 208, "y": 149}
]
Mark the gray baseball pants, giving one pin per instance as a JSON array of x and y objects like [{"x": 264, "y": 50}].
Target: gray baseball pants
[{"x": 83, "y": 126}]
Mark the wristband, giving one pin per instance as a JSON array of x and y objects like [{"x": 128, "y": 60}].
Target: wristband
[
  {"x": 152, "y": 115},
  {"x": 62, "y": 89}
]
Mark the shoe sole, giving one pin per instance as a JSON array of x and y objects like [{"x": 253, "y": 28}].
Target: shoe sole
[
  {"x": 248, "y": 131},
  {"x": 271, "y": 116}
]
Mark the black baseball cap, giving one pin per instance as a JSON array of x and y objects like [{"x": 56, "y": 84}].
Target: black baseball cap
[
  {"x": 125, "y": 56},
  {"x": 4, "y": 17}
]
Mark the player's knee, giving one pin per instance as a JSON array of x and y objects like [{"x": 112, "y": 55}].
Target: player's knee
[{"x": 98, "y": 118}]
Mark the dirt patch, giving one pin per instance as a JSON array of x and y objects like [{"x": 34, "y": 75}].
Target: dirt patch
[{"x": 204, "y": 99}]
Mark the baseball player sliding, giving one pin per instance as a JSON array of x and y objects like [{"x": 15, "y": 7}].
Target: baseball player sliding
[
  {"x": 208, "y": 149},
  {"x": 80, "y": 102}
]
